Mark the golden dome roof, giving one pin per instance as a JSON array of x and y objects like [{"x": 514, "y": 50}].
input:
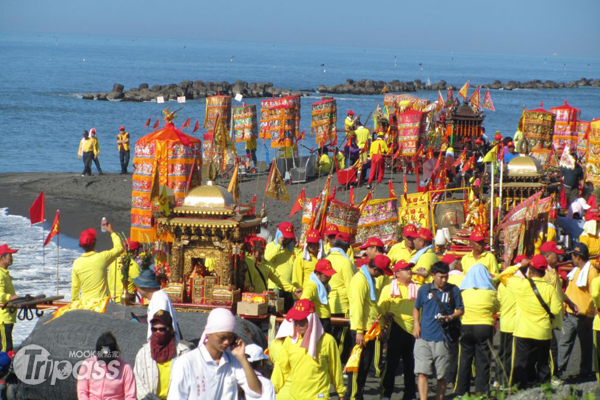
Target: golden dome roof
[
  {"x": 209, "y": 196},
  {"x": 525, "y": 166}
]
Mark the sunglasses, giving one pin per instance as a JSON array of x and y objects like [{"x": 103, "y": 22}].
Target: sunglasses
[{"x": 161, "y": 329}]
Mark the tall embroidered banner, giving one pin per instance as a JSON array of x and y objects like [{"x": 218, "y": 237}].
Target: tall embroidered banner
[
  {"x": 271, "y": 118},
  {"x": 379, "y": 218},
  {"x": 565, "y": 126},
  {"x": 409, "y": 127},
  {"x": 245, "y": 126},
  {"x": 582, "y": 139},
  {"x": 538, "y": 128},
  {"x": 592, "y": 167},
  {"x": 324, "y": 120},
  {"x": 217, "y": 106}
]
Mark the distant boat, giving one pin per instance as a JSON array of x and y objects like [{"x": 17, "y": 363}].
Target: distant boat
[{"x": 554, "y": 54}]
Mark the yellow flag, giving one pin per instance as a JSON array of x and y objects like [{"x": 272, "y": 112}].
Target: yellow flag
[
  {"x": 464, "y": 90},
  {"x": 491, "y": 155},
  {"x": 233, "y": 188},
  {"x": 275, "y": 186},
  {"x": 163, "y": 202}
]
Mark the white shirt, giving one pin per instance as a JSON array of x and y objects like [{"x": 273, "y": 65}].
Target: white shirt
[
  {"x": 268, "y": 390},
  {"x": 265, "y": 234},
  {"x": 161, "y": 301},
  {"x": 196, "y": 376}
]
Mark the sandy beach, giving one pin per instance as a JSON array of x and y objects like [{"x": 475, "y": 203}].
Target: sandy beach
[{"x": 83, "y": 201}]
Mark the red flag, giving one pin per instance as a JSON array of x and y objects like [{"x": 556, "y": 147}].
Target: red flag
[
  {"x": 469, "y": 164},
  {"x": 501, "y": 153},
  {"x": 563, "y": 198},
  {"x": 196, "y": 127},
  {"x": 464, "y": 90},
  {"x": 461, "y": 159},
  {"x": 157, "y": 123},
  {"x": 55, "y": 230},
  {"x": 253, "y": 204},
  {"x": 392, "y": 191},
  {"x": 299, "y": 204},
  {"x": 430, "y": 153},
  {"x": 148, "y": 122},
  {"x": 487, "y": 101},
  {"x": 351, "y": 195},
  {"x": 418, "y": 154},
  {"x": 186, "y": 124},
  {"x": 440, "y": 100},
  {"x": 36, "y": 211},
  {"x": 301, "y": 136},
  {"x": 364, "y": 202},
  {"x": 438, "y": 163}
]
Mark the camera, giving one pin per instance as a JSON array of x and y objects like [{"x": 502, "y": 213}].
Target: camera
[{"x": 442, "y": 321}]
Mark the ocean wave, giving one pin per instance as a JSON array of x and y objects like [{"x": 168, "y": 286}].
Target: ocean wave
[{"x": 34, "y": 270}]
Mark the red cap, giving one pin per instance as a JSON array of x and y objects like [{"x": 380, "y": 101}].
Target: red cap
[
  {"x": 313, "y": 236},
  {"x": 478, "y": 141},
  {"x": 93, "y": 130},
  {"x": 402, "y": 265},
  {"x": 510, "y": 144},
  {"x": 301, "y": 310},
  {"x": 425, "y": 234},
  {"x": 373, "y": 241},
  {"x": 476, "y": 237},
  {"x": 331, "y": 229},
  {"x": 498, "y": 136},
  {"x": 87, "y": 237},
  {"x": 410, "y": 231},
  {"x": 132, "y": 245},
  {"x": 550, "y": 247},
  {"x": 287, "y": 230},
  {"x": 520, "y": 258},
  {"x": 539, "y": 262},
  {"x": 449, "y": 259},
  {"x": 350, "y": 112},
  {"x": 382, "y": 262},
  {"x": 257, "y": 241},
  {"x": 4, "y": 249},
  {"x": 122, "y": 128},
  {"x": 343, "y": 236},
  {"x": 324, "y": 267}
]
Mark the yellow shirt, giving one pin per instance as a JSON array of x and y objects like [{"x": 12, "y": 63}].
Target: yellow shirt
[
  {"x": 251, "y": 144},
  {"x": 508, "y": 309},
  {"x": 303, "y": 269},
  {"x": 282, "y": 260},
  {"x": 401, "y": 307},
  {"x": 349, "y": 252},
  {"x": 532, "y": 321},
  {"x": 592, "y": 242},
  {"x": 341, "y": 160},
  {"x": 309, "y": 291},
  {"x": 550, "y": 237},
  {"x": 362, "y": 137},
  {"x": 6, "y": 291},
  {"x": 164, "y": 376},
  {"x": 115, "y": 283},
  {"x": 340, "y": 282},
  {"x": 95, "y": 144},
  {"x": 324, "y": 165},
  {"x": 480, "y": 306},
  {"x": 556, "y": 282},
  {"x": 455, "y": 279},
  {"x": 255, "y": 280},
  {"x": 123, "y": 137},
  {"x": 399, "y": 251},
  {"x": 363, "y": 311},
  {"x": 348, "y": 122},
  {"x": 581, "y": 296},
  {"x": 89, "y": 274},
  {"x": 310, "y": 378},
  {"x": 378, "y": 147},
  {"x": 274, "y": 351},
  {"x": 426, "y": 260},
  {"x": 486, "y": 258},
  {"x": 595, "y": 293},
  {"x": 85, "y": 145}
]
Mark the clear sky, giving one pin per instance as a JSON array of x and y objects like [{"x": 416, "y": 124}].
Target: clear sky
[{"x": 567, "y": 27}]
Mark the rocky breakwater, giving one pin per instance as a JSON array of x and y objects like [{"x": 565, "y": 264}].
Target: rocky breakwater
[
  {"x": 190, "y": 89},
  {"x": 371, "y": 87}
]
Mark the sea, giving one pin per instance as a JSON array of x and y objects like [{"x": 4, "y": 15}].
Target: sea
[{"x": 42, "y": 113}]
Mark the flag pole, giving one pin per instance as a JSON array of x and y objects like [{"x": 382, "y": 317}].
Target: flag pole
[
  {"x": 492, "y": 208},
  {"x": 57, "y": 261},
  {"x": 500, "y": 208}
]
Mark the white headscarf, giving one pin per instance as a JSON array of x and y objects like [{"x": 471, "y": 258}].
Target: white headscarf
[
  {"x": 309, "y": 340},
  {"x": 219, "y": 320}
]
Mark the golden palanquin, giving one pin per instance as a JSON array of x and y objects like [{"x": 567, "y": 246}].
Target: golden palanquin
[{"x": 208, "y": 232}]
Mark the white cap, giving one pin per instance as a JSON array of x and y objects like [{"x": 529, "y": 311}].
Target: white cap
[
  {"x": 264, "y": 220},
  {"x": 255, "y": 353}
]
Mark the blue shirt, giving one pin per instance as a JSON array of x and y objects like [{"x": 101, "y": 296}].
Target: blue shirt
[
  {"x": 508, "y": 156},
  {"x": 430, "y": 328}
]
